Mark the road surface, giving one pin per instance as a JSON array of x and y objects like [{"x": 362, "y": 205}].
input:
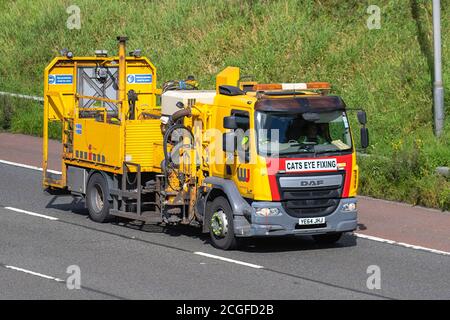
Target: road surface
[{"x": 43, "y": 235}]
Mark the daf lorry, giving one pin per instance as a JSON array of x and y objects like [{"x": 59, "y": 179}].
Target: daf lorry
[{"x": 243, "y": 160}]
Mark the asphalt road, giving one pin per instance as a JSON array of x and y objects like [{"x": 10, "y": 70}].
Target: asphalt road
[
  {"x": 385, "y": 220},
  {"x": 119, "y": 261}
]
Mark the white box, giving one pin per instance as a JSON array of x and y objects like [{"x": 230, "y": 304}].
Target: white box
[{"x": 169, "y": 99}]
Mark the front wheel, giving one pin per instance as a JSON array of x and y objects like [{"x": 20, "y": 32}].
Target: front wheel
[
  {"x": 221, "y": 227},
  {"x": 328, "y": 238}
]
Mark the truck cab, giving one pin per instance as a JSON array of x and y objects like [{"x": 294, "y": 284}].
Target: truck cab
[{"x": 289, "y": 162}]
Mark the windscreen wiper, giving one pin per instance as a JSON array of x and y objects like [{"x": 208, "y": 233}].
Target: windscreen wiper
[{"x": 331, "y": 150}]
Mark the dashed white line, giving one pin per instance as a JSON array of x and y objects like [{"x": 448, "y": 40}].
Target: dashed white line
[
  {"x": 402, "y": 244},
  {"x": 373, "y": 238},
  {"x": 35, "y": 273},
  {"x": 21, "y": 165},
  {"x": 32, "y": 213},
  {"x": 251, "y": 265}
]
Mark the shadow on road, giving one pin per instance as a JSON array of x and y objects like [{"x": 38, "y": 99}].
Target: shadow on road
[
  {"x": 273, "y": 244},
  {"x": 75, "y": 206},
  {"x": 292, "y": 243},
  {"x": 263, "y": 245}
]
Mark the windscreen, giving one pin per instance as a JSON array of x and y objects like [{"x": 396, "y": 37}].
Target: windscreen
[{"x": 297, "y": 133}]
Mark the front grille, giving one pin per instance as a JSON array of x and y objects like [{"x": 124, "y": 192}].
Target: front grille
[
  {"x": 311, "y": 202},
  {"x": 317, "y": 193}
]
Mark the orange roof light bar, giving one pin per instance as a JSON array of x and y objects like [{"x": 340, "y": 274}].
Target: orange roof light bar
[
  {"x": 319, "y": 85},
  {"x": 267, "y": 86},
  {"x": 292, "y": 86}
]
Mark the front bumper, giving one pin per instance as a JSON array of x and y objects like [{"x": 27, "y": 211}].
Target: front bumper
[{"x": 284, "y": 224}]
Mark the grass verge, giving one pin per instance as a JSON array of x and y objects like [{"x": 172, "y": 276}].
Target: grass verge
[{"x": 387, "y": 71}]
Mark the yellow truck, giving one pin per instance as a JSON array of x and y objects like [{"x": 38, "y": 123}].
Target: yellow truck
[{"x": 243, "y": 160}]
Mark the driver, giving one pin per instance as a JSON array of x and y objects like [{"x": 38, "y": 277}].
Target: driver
[{"x": 312, "y": 134}]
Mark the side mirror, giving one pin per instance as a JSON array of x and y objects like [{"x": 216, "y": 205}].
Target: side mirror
[
  {"x": 230, "y": 122},
  {"x": 229, "y": 142},
  {"x": 235, "y": 122},
  {"x": 364, "y": 137},
  {"x": 362, "y": 117}
]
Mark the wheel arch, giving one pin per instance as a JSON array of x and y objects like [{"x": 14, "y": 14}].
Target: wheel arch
[{"x": 227, "y": 189}]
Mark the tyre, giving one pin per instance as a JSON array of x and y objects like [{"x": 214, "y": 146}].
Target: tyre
[
  {"x": 221, "y": 228},
  {"x": 97, "y": 195},
  {"x": 328, "y": 238}
]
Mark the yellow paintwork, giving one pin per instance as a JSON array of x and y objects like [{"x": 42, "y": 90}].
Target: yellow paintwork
[
  {"x": 229, "y": 76},
  {"x": 98, "y": 138},
  {"x": 101, "y": 144},
  {"x": 260, "y": 179},
  {"x": 355, "y": 177},
  {"x": 142, "y": 138},
  {"x": 104, "y": 144}
]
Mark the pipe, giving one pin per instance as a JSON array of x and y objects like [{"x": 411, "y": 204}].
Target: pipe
[
  {"x": 122, "y": 71},
  {"x": 180, "y": 114},
  {"x": 438, "y": 88}
]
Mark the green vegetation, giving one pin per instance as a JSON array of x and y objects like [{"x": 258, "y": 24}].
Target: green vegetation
[
  {"x": 24, "y": 116},
  {"x": 386, "y": 71}
]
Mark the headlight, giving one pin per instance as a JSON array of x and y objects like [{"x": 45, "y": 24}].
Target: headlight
[
  {"x": 267, "y": 212},
  {"x": 349, "y": 207}
]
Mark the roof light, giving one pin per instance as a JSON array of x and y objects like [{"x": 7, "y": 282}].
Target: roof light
[
  {"x": 292, "y": 86},
  {"x": 270, "y": 86},
  {"x": 101, "y": 53},
  {"x": 319, "y": 85},
  {"x": 66, "y": 53},
  {"x": 137, "y": 53}
]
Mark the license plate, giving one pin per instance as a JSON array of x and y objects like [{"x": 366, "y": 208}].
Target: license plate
[{"x": 311, "y": 221}]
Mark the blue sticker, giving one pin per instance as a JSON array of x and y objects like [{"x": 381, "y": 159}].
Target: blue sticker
[
  {"x": 60, "y": 79},
  {"x": 78, "y": 128},
  {"x": 130, "y": 78},
  {"x": 140, "y": 78}
]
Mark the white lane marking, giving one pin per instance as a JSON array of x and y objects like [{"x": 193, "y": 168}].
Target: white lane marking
[
  {"x": 16, "y": 164},
  {"x": 406, "y": 245},
  {"x": 32, "y": 213},
  {"x": 35, "y": 273},
  {"x": 228, "y": 260}
]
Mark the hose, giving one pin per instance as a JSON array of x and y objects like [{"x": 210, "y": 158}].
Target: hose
[
  {"x": 188, "y": 84},
  {"x": 168, "y": 163},
  {"x": 180, "y": 114}
]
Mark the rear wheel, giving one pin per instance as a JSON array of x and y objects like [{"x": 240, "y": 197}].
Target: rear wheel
[
  {"x": 97, "y": 195},
  {"x": 221, "y": 227},
  {"x": 328, "y": 238}
]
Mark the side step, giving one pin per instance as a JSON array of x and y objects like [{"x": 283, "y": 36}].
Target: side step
[
  {"x": 53, "y": 180},
  {"x": 122, "y": 196}
]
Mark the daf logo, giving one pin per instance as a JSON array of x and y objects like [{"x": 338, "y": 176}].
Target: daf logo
[{"x": 311, "y": 183}]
